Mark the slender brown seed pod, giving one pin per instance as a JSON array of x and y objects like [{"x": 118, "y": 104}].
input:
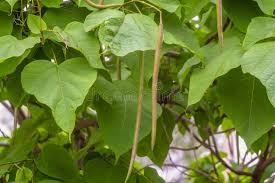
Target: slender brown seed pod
[
  {"x": 139, "y": 115},
  {"x": 155, "y": 82},
  {"x": 219, "y": 23}
]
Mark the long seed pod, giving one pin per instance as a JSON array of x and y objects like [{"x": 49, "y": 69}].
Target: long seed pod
[
  {"x": 219, "y": 23},
  {"x": 139, "y": 115},
  {"x": 155, "y": 82}
]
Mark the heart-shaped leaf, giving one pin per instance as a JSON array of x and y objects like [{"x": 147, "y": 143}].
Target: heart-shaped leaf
[{"x": 62, "y": 87}]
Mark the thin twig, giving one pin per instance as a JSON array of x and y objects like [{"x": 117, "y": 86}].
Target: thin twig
[
  {"x": 212, "y": 159},
  {"x": 101, "y": 6},
  {"x": 8, "y": 107},
  {"x": 225, "y": 131},
  {"x": 215, "y": 152},
  {"x": 3, "y": 134},
  {"x": 186, "y": 149}
]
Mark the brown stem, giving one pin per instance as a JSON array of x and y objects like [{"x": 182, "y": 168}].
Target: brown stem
[
  {"x": 101, "y": 6},
  {"x": 263, "y": 163}
]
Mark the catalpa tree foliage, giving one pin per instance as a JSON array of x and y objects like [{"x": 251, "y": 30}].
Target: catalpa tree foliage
[{"x": 93, "y": 84}]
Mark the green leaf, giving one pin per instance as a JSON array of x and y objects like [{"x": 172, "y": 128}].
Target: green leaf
[
  {"x": 4, "y": 6},
  {"x": 36, "y": 24},
  {"x": 241, "y": 12},
  {"x": 193, "y": 7},
  {"x": 168, "y": 5},
  {"x": 104, "y": 89},
  {"x": 244, "y": 100},
  {"x": 269, "y": 171},
  {"x": 108, "y": 30},
  {"x": 132, "y": 61},
  {"x": 166, "y": 125},
  {"x": 216, "y": 64},
  {"x": 137, "y": 33},
  {"x": 118, "y": 126},
  {"x": 23, "y": 174},
  {"x": 10, "y": 65},
  {"x": 12, "y": 47},
  {"x": 96, "y": 18},
  {"x": 267, "y": 6},
  {"x": 93, "y": 172},
  {"x": 150, "y": 176},
  {"x": 21, "y": 147},
  {"x": 52, "y": 3},
  {"x": 62, "y": 16},
  {"x": 15, "y": 92},
  {"x": 259, "y": 62},
  {"x": 85, "y": 42},
  {"x": 56, "y": 162},
  {"x": 65, "y": 88},
  {"x": 176, "y": 32},
  {"x": 6, "y": 24},
  {"x": 11, "y": 3},
  {"x": 259, "y": 29},
  {"x": 185, "y": 70}
]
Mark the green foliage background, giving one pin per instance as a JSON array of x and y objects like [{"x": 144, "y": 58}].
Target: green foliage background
[{"x": 77, "y": 68}]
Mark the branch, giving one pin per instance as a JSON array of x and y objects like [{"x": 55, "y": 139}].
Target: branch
[
  {"x": 268, "y": 162},
  {"x": 101, "y": 6},
  {"x": 226, "y": 131},
  {"x": 186, "y": 149},
  {"x": 214, "y": 152},
  {"x": 3, "y": 134},
  {"x": 217, "y": 154},
  {"x": 263, "y": 163}
]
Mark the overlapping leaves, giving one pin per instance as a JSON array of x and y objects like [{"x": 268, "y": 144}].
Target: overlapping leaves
[{"x": 115, "y": 36}]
